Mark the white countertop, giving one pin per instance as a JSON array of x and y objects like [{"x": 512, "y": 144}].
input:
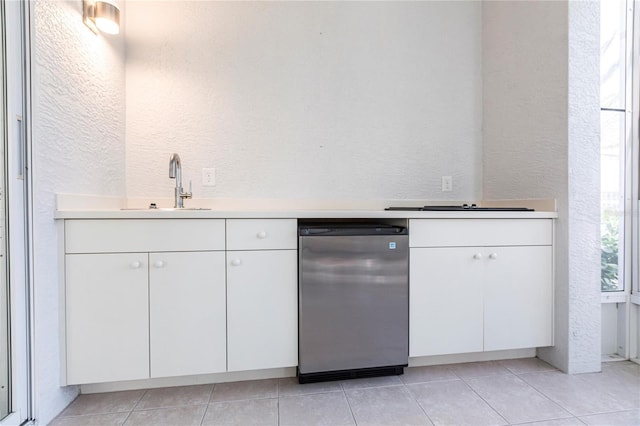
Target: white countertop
[
  {"x": 90, "y": 207},
  {"x": 300, "y": 214}
]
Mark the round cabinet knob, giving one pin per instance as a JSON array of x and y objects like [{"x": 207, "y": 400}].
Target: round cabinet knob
[
  {"x": 477, "y": 256},
  {"x": 136, "y": 265},
  {"x": 236, "y": 262},
  {"x": 261, "y": 235},
  {"x": 158, "y": 264},
  {"x": 493, "y": 256}
]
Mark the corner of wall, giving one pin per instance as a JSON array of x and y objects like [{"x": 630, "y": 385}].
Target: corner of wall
[
  {"x": 540, "y": 136},
  {"x": 78, "y": 119}
]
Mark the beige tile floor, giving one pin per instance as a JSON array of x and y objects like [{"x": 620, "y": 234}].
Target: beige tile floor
[{"x": 522, "y": 391}]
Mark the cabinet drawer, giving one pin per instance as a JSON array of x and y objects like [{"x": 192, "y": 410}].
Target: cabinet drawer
[
  {"x": 140, "y": 235},
  {"x": 479, "y": 232},
  {"x": 257, "y": 234}
]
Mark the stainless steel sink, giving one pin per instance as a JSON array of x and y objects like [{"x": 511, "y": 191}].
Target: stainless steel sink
[{"x": 165, "y": 209}]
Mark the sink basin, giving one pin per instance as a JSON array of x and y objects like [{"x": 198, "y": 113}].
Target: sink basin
[
  {"x": 170, "y": 209},
  {"x": 165, "y": 209}
]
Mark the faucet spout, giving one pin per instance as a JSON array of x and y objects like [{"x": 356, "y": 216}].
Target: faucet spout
[
  {"x": 175, "y": 166},
  {"x": 175, "y": 172}
]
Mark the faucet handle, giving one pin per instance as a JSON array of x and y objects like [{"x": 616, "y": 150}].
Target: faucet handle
[{"x": 187, "y": 194}]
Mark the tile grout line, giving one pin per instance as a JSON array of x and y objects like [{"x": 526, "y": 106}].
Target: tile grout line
[
  {"x": 344, "y": 393},
  {"x": 127, "y": 418},
  {"x": 278, "y": 404},
  {"x": 407, "y": 390},
  {"x": 134, "y": 407},
  {"x": 548, "y": 396},
  {"x": 213, "y": 388},
  {"x": 608, "y": 412},
  {"x": 204, "y": 413},
  {"x": 253, "y": 399},
  {"x": 545, "y": 396},
  {"x": 535, "y": 390},
  {"x": 485, "y": 401},
  {"x": 532, "y": 387},
  {"x": 207, "y": 406},
  {"x": 371, "y": 387},
  {"x": 551, "y": 420},
  {"x": 139, "y": 400}
]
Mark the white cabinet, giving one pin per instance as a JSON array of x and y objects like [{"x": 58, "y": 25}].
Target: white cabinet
[
  {"x": 107, "y": 317},
  {"x": 518, "y": 298},
  {"x": 161, "y": 298},
  {"x": 146, "y": 313},
  {"x": 480, "y": 285},
  {"x": 187, "y": 313},
  {"x": 445, "y": 302},
  {"x": 262, "y": 302},
  {"x": 147, "y": 298}
]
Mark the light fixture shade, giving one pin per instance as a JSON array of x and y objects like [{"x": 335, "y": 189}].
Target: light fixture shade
[
  {"x": 107, "y": 17},
  {"x": 101, "y": 15}
]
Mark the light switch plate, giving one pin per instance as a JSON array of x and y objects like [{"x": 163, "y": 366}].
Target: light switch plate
[{"x": 209, "y": 176}]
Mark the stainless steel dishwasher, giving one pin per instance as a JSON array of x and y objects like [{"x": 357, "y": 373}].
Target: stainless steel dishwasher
[{"x": 353, "y": 300}]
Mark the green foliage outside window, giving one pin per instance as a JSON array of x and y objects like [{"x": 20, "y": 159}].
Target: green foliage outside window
[{"x": 609, "y": 251}]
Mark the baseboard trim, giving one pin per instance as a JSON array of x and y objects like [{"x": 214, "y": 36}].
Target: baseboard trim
[
  {"x": 471, "y": 357},
  {"x": 277, "y": 373},
  {"x": 166, "y": 382}
]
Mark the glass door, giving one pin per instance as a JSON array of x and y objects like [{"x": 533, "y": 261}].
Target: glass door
[
  {"x": 16, "y": 320},
  {"x": 5, "y": 350},
  {"x": 620, "y": 178},
  {"x": 616, "y": 22}
]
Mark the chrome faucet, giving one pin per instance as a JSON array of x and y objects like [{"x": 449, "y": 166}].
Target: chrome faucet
[{"x": 175, "y": 172}]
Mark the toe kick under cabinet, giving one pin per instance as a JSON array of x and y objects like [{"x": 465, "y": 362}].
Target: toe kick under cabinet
[
  {"x": 162, "y": 297},
  {"x": 480, "y": 285}
]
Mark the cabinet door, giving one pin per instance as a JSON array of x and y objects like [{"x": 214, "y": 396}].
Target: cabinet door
[
  {"x": 187, "y": 313},
  {"x": 262, "y": 303},
  {"x": 445, "y": 301},
  {"x": 518, "y": 298},
  {"x": 107, "y": 317}
]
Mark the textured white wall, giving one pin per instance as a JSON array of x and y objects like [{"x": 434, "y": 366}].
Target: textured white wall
[
  {"x": 584, "y": 189},
  {"x": 364, "y": 100},
  {"x": 78, "y": 147},
  {"x": 540, "y": 137}
]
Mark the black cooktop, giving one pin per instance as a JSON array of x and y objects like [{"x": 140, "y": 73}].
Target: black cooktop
[{"x": 463, "y": 207}]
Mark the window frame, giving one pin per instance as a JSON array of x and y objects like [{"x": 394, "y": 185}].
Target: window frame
[{"x": 627, "y": 264}]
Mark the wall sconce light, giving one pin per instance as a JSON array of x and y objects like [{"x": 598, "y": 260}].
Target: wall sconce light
[{"x": 101, "y": 15}]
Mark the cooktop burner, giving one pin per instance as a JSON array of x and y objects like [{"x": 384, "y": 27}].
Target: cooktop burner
[{"x": 464, "y": 207}]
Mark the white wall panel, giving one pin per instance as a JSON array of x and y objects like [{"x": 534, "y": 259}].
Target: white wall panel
[{"x": 364, "y": 100}]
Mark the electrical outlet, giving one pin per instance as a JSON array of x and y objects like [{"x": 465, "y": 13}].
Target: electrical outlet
[
  {"x": 208, "y": 176},
  {"x": 447, "y": 184}
]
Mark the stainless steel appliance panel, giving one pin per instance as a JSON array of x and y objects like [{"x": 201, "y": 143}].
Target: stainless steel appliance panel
[{"x": 354, "y": 301}]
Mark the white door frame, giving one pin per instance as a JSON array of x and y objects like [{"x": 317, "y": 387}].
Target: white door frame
[
  {"x": 18, "y": 193},
  {"x": 633, "y": 162}
]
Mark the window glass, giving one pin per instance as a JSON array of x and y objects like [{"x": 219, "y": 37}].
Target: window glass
[
  {"x": 612, "y": 53},
  {"x": 612, "y": 134}
]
